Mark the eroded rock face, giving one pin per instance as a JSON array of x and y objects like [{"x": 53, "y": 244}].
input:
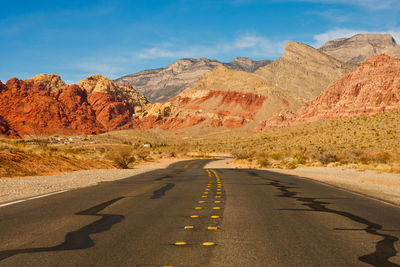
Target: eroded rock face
[
  {"x": 232, "y": 99},
  {"x": 304, "y": 71},
  {"x": 5, "y": 128},
  {"x": 44, "y": 105},
  {"x": 33, "y": 108},
  {"x": 373, "y": 88},
  {"x": 51, "y": 81},
  {"x": 159, "y": 85},
  {"x": 359, "y": 47}
]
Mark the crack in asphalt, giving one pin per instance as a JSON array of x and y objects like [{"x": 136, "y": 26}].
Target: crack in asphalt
[
  {"x": 384, "y": 249},
  {"x": 79, "y": 239},
  {"x": 161, "y": 192}
]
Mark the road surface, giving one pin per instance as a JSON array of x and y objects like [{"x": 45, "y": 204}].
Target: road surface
[{"x": 185, "y": 215}]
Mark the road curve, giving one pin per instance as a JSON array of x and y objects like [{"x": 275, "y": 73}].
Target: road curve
[{"x": 185, "y": 215}]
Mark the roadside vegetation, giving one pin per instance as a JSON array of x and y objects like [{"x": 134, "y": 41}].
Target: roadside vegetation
[{"x": 363, "y": 143}]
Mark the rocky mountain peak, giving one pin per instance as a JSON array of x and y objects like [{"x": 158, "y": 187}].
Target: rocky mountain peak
[
  {"x": 52, "y": 81},
  {"x": 98, "y": 83},
  {"x": 358, "y": 48}
]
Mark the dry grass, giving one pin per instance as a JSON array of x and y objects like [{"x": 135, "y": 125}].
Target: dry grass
[{"x": 362, "y": 143}]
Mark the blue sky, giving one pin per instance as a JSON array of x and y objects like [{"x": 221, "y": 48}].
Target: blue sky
[{"x": 76, "y": 38}]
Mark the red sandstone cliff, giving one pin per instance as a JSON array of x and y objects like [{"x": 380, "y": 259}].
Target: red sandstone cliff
[{"x": 372, "y": 88}]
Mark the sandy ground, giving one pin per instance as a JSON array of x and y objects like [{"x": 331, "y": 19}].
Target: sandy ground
[
  {"x": 383, "y": 186},
  {"x": 20, "y": 188}
]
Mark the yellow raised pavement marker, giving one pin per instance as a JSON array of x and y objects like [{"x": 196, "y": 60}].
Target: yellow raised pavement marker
[
  {"x": 180, "y": 243},
  {"x": 194, "y": 216},
  {"x": 206, "y": 192},
  {"x": 219, "y": 192},
  {"x": 204, "y": 196},
  {"x": 188, "y": 227},
  {"x": 216, "y": 208},
  {"x": 217, "y": 201},
  {"x": 217, "y": 196},
  {"x": 198, "y": 208},
  {"x": 208, "y": 189},
  {"x": 214, "y": 216},
  {"x": 219, "y": 189},
  {"x": 208, "y": 244},
  {"x": 201, "y": 201},
  {"x": 212, "y": 228}
]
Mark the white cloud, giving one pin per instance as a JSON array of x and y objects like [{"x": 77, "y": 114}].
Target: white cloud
[{"x": 246, "y": 45}]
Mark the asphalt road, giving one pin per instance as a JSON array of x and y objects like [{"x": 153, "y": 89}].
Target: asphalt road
[{"x": 260, "y": 218}]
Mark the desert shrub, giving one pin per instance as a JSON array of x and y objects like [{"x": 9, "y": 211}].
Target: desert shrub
[
  {"x": 241, "y": 154},
  {"x": 121, "y": 157},
  {"x": 300, "y": 158},
  {"x": 327, "y": 157},
  {"x": 382, "y": 157},
  {"x": 143, "y": 154},
  {"x": 172, "y": 154},
  {"x": 263, "y": 162},
  {"x": 276, "y": 155}
]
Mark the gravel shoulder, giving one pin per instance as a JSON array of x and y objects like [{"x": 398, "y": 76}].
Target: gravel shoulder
[
  {"x": 19, "y": 188},
  {"x": 383, "y": 186}
]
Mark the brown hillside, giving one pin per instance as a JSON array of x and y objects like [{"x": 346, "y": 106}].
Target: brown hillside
[
  {"x": 358, "y": 48},
  {"x": 304, "y": 71},
  {"x": 373, "y": 88},
  {"x": 233, "y": 99}
]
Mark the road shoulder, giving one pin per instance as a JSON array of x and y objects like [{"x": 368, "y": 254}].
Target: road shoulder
[
  {"x": 383, "y": 186},
  {"x": 25, "y": 187}
]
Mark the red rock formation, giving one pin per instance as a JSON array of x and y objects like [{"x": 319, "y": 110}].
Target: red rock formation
[
  {"x": 233, "y": 109},
  {"x": 32, "y": 108},
  {"x": 5, "y": 128},
  {"x": 372, "y": 88},
  {"x": 180, "y": 122}
]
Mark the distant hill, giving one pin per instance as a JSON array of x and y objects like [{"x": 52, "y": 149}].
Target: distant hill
[
  {"x": 304, "y": 71},
  {"x": 358, "y": 48},
  {"x": 159, "y": 85},
  {"x": 372, "y": 88}
]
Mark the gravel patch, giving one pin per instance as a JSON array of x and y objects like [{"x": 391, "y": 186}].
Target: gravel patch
[
  {"x": 20, "y": 188},
  {"x": 384, "y": 186}
]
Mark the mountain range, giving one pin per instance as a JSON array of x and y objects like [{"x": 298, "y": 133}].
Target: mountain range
[
  {"x": 199, "y": 95},
  {"x": 159, "y": 85}
]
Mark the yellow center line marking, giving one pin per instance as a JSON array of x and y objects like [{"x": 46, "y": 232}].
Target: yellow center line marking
[
  {"x": 205, "y": 192},
  {"x": 219, "y": 193},
  {"x": 217, "y": 201},
  {"x": 181, "y": 243},
  {"x": 216, "y": 208},
  {"x": 217, "y": 196},
  {"x": 198, "y": 208},
  {"x": 208, "y": 244},
  {"x": 187, "y": 165},
  {"x": 214, "y": 216},
  {"x": 215, "y": 173},
  {"x": 212, "y": 228},
  {"x": 189, "y": 227},
  {"x": 204, "y": 196},
  {"x": 194, "y": 216},
  {"x": 208, "y": 189},
  {"x": 219, "y": 189},
  {"x": 209, "y": 173},
  {"x": 201, "y": 201}
]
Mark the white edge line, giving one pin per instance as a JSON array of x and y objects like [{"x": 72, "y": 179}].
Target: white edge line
[{"x": 31, "y": 198}]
